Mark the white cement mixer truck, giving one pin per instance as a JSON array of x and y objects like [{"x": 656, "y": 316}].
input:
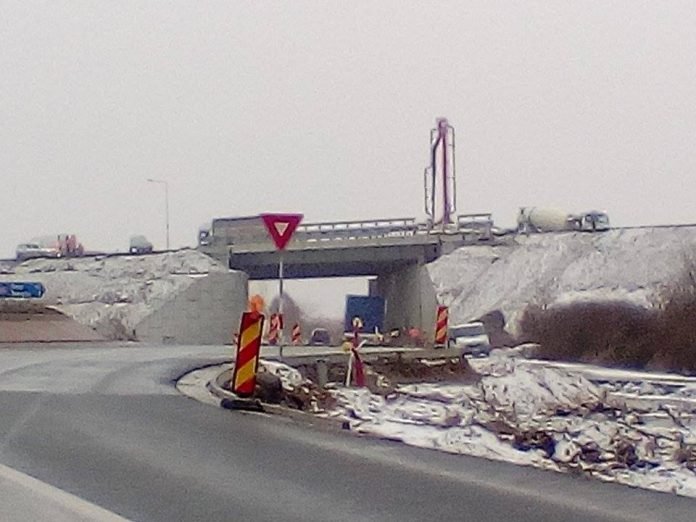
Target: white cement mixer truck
[{"x": 536, "y": 219}]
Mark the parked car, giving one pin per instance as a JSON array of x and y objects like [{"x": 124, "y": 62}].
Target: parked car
[
  {"x": 471, "y": 338},
  {"x": 140, "y": 245},
  {"x": 34, "y": 250},
  {"x": 320, "y": 336}
]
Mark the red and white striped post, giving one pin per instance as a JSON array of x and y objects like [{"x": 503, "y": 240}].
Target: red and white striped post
[
  {"x": 441, "y": 326},
  {"x": 275, "y": 325},
  {"x": 247, "y": 360},
  {"x": 296, "y": 334},
  {"x": 355, "y": 372}
]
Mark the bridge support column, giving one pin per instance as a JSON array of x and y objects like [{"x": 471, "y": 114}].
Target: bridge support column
[{"x": 410, "y": 296}]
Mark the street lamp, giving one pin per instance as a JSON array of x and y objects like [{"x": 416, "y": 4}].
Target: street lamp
[{"x": 166, "y": 202}]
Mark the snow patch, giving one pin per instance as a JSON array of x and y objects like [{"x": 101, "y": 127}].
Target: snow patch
[
  {"x": 629, "y": 264},
  {"x": 289, "y": 376},
  {"x": 114, "y": 294},
  {"x": 539, "y": 416}
]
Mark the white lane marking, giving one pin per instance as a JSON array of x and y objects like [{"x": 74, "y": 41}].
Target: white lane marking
[{"x": 83, "y": 509}]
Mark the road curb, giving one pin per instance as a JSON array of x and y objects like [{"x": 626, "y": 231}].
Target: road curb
[{"x": 229, "y": 400}]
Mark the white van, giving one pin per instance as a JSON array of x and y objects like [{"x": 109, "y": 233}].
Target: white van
[{"x": 471, "y": 338}]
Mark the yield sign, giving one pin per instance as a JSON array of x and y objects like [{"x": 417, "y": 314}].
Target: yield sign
[{"x": 281, "y": 227}]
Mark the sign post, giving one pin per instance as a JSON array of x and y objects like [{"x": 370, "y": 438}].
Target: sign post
[
  {"x": 280, "y": 302},
  {"x": 281, "y": 227}
]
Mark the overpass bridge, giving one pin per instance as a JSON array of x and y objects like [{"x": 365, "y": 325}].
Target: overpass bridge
[
  {"x": 393, "y": 251},
  {"x": 339, "y": 249}
]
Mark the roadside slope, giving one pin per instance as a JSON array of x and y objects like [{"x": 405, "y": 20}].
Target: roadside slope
[
  {"x": 634, "y": 265},
  {"x": 180, "y": 297}
]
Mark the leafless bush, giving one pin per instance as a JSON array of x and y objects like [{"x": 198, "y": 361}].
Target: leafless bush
[
  {"x": 611, "y": 332},
  {"x": 677, "y": 323},
  {"x": 620, "y": 333}
]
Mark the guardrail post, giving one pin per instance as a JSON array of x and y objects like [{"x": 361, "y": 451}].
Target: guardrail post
[{"x": 322, "y": 372}]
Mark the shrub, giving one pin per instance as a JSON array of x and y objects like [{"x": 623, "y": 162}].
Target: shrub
[
  {"x": 620, "y": 333},
  {"x": 616, "y": 333}
]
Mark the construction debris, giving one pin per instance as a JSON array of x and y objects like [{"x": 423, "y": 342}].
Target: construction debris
[{"x": 524, "y": 414}]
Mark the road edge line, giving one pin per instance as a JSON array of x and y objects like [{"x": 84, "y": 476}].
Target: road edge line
[{"x": 77, "y": 505}]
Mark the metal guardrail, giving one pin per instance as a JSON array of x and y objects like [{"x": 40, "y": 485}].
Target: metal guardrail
[
  {"x": 346, "y": 230},
  {"x": 480, "y": 225}
]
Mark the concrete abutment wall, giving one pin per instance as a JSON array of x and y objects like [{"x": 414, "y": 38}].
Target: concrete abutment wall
[
  {"x": 207, "y": 312},
  {"x": 410, "y": 296}
]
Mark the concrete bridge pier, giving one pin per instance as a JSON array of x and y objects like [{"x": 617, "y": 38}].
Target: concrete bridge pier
[{"x": 410, "y": 296}]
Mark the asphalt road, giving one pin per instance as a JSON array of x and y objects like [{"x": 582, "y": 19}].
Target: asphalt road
[{"x": 106, "y": 425}]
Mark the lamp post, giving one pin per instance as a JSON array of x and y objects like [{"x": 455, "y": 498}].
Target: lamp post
[{"x": 166, "y": 202}]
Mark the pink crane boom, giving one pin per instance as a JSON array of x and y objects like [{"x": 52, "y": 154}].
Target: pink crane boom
[{"x": 440, "y": 185}]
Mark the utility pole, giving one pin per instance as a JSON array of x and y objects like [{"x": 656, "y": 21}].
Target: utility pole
[{"x": 166, "y": 202}]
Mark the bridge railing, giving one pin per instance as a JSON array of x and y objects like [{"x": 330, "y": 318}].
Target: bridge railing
[
  {"x": 347, "y": 230},
  {"x": 480, "y": 225}
]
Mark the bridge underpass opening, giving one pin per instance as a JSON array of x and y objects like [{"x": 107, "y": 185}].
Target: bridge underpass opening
[
  {"x": 313, "y": 303},
  {"x": 320, "y": 302}
]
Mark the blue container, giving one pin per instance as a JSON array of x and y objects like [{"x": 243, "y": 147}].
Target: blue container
[{"x": 370, "y": 309}]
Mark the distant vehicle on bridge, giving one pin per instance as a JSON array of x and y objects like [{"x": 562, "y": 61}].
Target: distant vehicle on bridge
[
  {"x": 140, "y": 245},
  {"x": 536, "y": 219},
  {"x": 69, "y": 246},
  {"x": 205, "y": 235},
  {"x": 229, "y": 231},
  {"x": 27, "y": 251},
  {"x": 60, "y": 245},
  {"x": 592, "y": 221}
]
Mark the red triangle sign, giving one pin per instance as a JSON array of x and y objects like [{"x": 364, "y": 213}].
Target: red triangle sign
[{"x": 281, "y": 227}]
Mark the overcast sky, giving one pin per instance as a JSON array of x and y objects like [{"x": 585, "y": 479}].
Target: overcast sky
[{"x": 325, "y": 108}]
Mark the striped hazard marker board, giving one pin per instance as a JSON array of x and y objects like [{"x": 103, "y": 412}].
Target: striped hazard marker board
[
  {"x": 296, "y": 334},
  {"x": 275, "y": 327},
  {"x": 441, "y": 326},
  {"x": 248, "y": 346}
]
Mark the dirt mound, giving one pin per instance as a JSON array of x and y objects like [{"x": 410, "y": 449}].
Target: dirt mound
[
  {"x": 23, "y": 323},
  {"x": 398, "y": 371}
]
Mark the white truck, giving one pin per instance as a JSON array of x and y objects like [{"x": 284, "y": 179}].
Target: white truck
[
  {"x": 536, "y": 219},
  {"x": 470, "y": 338}
]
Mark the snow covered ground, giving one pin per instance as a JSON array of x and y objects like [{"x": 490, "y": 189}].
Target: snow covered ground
[
  {"x": 529, "y": 414},
  {"x": 624, "y": 264},
  {"x": 113, "y": 294},
  {"x": 539, "y": 416}
]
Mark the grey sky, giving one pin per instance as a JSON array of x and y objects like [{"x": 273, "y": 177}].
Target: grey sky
[{"x": 325, "y": 108}]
